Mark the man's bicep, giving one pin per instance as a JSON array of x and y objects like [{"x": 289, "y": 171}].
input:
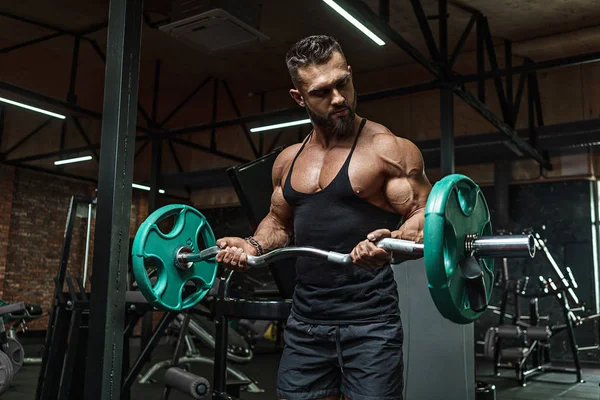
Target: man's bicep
[{"x": 408, "y": 187}]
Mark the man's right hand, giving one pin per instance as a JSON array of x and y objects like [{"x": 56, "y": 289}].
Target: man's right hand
[{"x": 234, "y": 252}]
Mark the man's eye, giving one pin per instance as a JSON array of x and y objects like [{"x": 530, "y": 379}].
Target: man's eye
[{"x": 318, "y": 93}]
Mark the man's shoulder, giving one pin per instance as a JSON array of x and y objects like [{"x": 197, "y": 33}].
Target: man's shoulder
[
  {"x": 393, "y": 149},
  {"x": 382, "y": 139},
  {"x": 284, "y": 160},
  {"x": 287, "y": 155}
]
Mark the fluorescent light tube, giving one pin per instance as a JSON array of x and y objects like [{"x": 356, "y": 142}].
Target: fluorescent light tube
[
  {"x": 73, "y": 160},
  {"x": 354, "y": 22},
  {"x": 144, "y": 187},
  {"x": 16, "y": 103},
  {"x": 283, "y": 125}
]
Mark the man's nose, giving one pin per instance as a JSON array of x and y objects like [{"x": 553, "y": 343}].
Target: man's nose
[{"x": 337, "y": 99}]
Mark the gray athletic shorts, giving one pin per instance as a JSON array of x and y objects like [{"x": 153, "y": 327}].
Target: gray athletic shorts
[{"x": 362, "y": 361}]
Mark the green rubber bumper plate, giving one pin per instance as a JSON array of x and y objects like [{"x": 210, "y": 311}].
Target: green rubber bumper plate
[
  {"x": 455, "y": 208},
  {"x": 152, "y": 247}
]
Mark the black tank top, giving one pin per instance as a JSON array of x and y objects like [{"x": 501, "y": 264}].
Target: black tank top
[{"x": 337, "y": 219}]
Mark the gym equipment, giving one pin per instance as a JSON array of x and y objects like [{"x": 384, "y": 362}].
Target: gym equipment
[
  {"x": 458, "y": 252},
  {"x": 531, "y": 355},
  {"x": 194, "y": 386},
  {"x": 202, "y": 329},
  {"x": 6, "y": 372},
  {"x": 11, "y": 351}
]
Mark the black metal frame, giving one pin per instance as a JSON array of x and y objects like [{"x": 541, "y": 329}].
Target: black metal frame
[
  {"x": 65, "y": 352},
  {"x": 439, "y": 63}
]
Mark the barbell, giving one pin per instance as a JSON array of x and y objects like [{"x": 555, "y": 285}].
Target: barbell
[{"x": 458, "y": 252}]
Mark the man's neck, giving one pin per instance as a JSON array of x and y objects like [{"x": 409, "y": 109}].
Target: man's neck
[{"x": 327, "y": 139}]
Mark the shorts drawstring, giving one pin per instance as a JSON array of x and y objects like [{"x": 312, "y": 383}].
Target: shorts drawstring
[{"x": 338, "y": 347}]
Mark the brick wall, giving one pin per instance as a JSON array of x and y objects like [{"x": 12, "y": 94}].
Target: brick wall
[
  {"x": 33, "y": 216},
  {"x": 7, "y": 175},
  {"x": 40, "y": 205}
]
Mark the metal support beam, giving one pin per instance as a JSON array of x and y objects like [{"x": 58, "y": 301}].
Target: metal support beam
[
  {"x": 275, "y": 141},
  {"x": 494, "y": 63},
  {"x": 509, "y": 83},
  {"x": 31, "y": 42},
  {"x": 71, "y": 96},
  {"x": 533, "y": 137},
  {"x": 155, "y": 94},
  {"x": 155, "y": 167},
  {"x": 107, "y": 309},
  {"x": 463, "y": 38},
  {"x": 184, "y": 102},
  {"x": 208, "y": 150},
  {"x": 52, "y": 154},
  {"x": 55, "y": 172},
  {"x": 155, "y": 164},
  {"x": 516, "y": 142},
  {"x": 447, "y": 131},
  {"x": 299, "y": 111},
  {"x": 538, "y": 100},
  {"x": 140, "y": 149},
  {"x": 480, "y": 58},
  {"x": 63, "y": 135},
  {"x": 358, "y": 8},
  {"x": 85, "y": 137},
  {"x": 532, "y": 67},
  {"x": 43, "y": 100},
  {"x": 236, "y": 109},
  {"x": 384, "y": 10},
  {"x": 32, "y": 22},
  {"x": 97, "y": 49},
  {"x": 425, "y": 28},
  {"x": 519, "y": 98},
  {"x": 443, "y": 33},
  {"x": 27, "y": 137}
]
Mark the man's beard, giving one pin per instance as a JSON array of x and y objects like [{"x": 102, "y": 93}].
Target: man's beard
[{"x": 339, "y": 127}]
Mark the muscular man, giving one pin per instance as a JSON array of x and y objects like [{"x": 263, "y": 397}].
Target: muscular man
[{"x": 349, "y": 184}]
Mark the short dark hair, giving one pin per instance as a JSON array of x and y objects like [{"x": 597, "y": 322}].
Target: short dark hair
[{"x": 312, "y": 50}]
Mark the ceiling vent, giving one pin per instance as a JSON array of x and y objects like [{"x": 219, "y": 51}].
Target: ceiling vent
[{"x": 213, "y": 25}]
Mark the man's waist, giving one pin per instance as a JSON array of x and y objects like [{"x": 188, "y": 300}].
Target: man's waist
[{"x": 378, "y": 317}]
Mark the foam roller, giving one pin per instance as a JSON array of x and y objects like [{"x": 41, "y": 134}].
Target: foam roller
[
  {"x": 192, "y": 385},
  {"x": 509, "y": 332},
  {"x": 539, "y": 332}
]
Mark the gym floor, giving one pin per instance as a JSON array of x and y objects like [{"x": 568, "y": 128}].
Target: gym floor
[{"x": 264, "y": 369}]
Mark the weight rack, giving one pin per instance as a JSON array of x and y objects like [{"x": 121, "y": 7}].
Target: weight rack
[{"x": 65, "y": 351}]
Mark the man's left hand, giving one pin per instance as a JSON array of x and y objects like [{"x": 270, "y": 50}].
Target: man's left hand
[{"x": 366, "y": 254}]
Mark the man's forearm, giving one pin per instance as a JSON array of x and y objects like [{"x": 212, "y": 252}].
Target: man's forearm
[
  {"x": 412, "y": 228},
  {"x": 272, "y": 234}
]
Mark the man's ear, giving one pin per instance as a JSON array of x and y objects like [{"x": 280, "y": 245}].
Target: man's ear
[{"x": 297, "y": 96}]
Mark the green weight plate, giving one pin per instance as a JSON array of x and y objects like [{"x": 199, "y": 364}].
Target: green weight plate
[
  {"x": 153, "y": 247},
  {"x": 456, "y": 207}
]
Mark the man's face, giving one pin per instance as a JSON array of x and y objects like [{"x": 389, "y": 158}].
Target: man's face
[{"x": 327, "y": 92}]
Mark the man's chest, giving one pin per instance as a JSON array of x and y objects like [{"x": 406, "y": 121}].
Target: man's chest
[{"x": 315, "y": 169}]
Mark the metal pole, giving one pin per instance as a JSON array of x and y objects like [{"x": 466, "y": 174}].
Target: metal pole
[
  {"x": 155, "y": 164},
  {"x": 107, "y": 307},
  {"x": 87, "y": 244}
]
